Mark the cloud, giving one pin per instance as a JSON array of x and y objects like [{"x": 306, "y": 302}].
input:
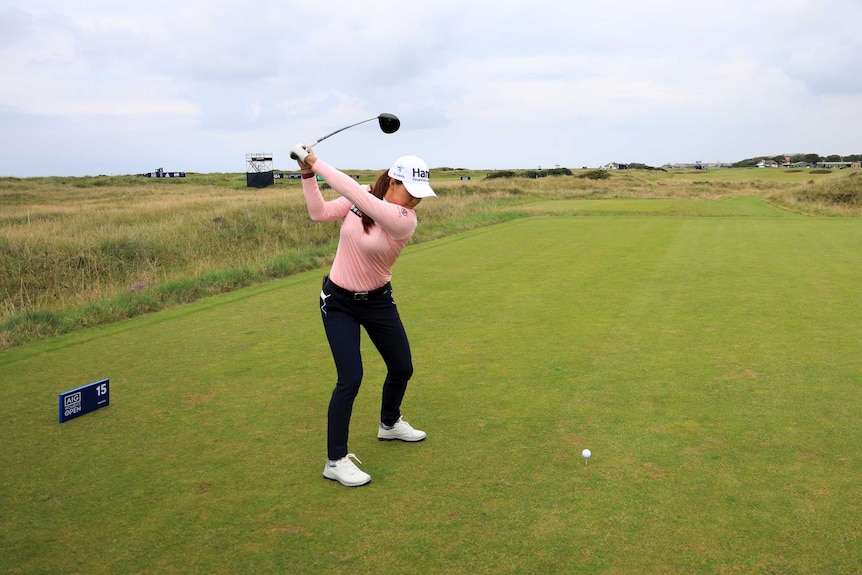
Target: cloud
[{"x": 507, "y": 83}]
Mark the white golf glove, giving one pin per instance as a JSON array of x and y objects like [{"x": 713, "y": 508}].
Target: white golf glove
[{"x": 299, "y": 152}]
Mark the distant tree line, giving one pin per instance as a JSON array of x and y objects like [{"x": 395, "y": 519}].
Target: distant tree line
[
  {"x": 794, "y": 158},
  {"x": 638, "y": 166},
  {"x": 529, "y": 173}
]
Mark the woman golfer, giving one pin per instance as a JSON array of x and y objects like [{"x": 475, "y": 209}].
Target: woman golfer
[{"x": 378, "y": 221}]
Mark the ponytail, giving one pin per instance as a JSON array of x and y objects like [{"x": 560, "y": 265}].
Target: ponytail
[{"x": 378, "y": 190}]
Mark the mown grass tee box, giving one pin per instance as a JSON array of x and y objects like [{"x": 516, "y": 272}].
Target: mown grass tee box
[{"x": 708, "y": 358}]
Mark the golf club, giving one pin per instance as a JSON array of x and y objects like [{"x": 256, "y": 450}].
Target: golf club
[{"x": 389, "y": 123}]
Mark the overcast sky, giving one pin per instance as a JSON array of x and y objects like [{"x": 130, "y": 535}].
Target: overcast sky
[{"x": 106, "y": 87}]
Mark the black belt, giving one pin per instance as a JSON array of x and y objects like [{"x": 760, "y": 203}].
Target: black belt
[{"x": 359, "y": 295}]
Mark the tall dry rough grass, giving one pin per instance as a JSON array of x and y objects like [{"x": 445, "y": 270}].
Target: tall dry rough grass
[
  {"x": 836, "y": 196},
  {"x": 62, "y": 249},
  {"x": 73, "y": 255}
]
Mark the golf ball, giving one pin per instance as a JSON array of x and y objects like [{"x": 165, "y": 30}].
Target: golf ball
[{"x": 586, "y": 453}]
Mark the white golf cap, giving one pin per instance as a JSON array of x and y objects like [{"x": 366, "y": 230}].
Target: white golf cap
[{"x": 414, "y": 173}]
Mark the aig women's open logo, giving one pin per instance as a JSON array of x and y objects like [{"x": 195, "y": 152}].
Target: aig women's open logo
[
  {"x": 72, "y": 404},
  {"x": 84, "y": 399}
]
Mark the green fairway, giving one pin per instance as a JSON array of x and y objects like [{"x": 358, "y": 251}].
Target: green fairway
[
  {"x": 737, "y": 206},
  {"x": 707, "y": 352}
]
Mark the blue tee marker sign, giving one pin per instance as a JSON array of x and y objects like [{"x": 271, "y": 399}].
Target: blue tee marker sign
[{"x": 82, "y": 400}]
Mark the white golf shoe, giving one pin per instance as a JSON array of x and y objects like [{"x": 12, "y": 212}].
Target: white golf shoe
[
  {"x": 402, "y": 431},
  {"x": 345, "y": 472}
]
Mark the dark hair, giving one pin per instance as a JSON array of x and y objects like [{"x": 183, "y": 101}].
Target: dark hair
[{"x": 378, "y": 190}]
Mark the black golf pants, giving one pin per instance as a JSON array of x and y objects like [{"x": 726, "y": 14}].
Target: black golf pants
[{"x": 344, "y": 313}]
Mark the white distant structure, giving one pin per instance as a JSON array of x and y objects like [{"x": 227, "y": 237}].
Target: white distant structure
[{"x": 161, "y": 173}]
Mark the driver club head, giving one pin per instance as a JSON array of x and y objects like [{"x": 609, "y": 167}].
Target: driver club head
[{"x": 389, "y": 123}]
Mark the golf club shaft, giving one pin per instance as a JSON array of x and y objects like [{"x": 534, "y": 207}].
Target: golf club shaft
[{"x": 318, "y": 140}]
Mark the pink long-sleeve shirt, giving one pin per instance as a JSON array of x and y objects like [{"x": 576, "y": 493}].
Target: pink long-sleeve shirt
[{"x": 363, "y": 262}]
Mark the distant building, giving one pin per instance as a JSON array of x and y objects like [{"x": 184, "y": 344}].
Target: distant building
[
  {"x": 839, "y": 165},
  {"x": 161, "y": 173}
]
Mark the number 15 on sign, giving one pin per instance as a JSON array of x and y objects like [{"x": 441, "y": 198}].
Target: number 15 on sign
[{"x": 82, "y": 400}]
